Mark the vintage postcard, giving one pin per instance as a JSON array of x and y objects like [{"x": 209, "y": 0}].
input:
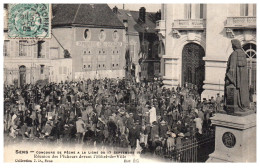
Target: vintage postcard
[{"x": 129, "y": 83}]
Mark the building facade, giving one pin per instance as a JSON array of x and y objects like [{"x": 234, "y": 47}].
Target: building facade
[
  {"x": 94, "y": 37},
  {"x": 87, "y": 42},
  {"x": 32, "y": 60},
  {"x": 197, "y": 43},
  {"x": 142, "y": 42}
]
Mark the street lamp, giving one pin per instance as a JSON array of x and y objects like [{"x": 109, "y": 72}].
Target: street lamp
[
  {"x": 146, "y": 28},
  {"x": 128, "y": 62}
]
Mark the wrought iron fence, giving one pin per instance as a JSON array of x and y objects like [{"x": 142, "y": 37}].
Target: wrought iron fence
[{"x": 192, "y": 149}]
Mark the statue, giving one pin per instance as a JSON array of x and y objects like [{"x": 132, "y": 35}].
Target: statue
[{"x": 236, "y": 93}]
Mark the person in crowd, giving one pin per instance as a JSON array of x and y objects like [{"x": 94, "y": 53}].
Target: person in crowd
[
  {"x": 80, "y": 125},
  {"x": 114, "y": 112}
]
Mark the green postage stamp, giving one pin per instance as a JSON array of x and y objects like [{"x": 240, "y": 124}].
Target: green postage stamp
[{"x": 29, "y": 20}]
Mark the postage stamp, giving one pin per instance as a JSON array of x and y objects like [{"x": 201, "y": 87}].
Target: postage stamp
[{"x": 29, "y": 20}]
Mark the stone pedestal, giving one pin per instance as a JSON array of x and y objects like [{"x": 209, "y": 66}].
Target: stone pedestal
[
  {"x": 231, "y": 99},
  {"x": 235, "y": 139}
]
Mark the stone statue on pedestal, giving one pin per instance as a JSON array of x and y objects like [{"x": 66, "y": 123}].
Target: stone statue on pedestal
[{"x": 236, "y": 93}]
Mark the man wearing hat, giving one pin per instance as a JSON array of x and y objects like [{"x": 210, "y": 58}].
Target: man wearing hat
[
  {"x": 152, "y": 113},
  {"x": 130, "y": 121},
  {"x": 170, "y": 140},
  {"x": 134, "y": 134},
  {"x": 47, "y": 128},
  {"x": 154, "y": 130},
  {"x": 218, "y": 103},
  {"x": 80, "y": 126}
]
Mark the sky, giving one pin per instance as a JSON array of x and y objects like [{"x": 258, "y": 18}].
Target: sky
[{"x": 136, "y": 7}]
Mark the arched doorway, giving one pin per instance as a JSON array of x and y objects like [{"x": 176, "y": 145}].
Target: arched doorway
[
  {"x": 22, "y": 74},
  {"x": 250, "y": 50},
  {"x": 193, "y": 65}
]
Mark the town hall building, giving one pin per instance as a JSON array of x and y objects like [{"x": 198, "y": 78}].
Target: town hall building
[{"x": 197, "y": 43}]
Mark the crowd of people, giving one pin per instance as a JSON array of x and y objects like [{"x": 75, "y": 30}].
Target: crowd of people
[{"x": 108, "y": 112}]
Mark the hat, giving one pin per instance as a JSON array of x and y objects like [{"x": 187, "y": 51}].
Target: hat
[
  {"x": 236, "y": 43},
  {"x": 168, "y": 132},
  {"x": 154, "y": 123},
  {"x": 181, "y": 134},
  {"x": 163, "y": 122},
  {"x": 173, "y": 135}
]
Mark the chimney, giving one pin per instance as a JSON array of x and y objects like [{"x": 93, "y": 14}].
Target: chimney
[
  {"x": 5, "y": 6},
  {"x": 115, "y": 10},
  {"x": 158, "y": 15},
  {"x": 142, "y": 14}
]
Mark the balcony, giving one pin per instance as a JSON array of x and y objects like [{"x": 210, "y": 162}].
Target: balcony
[
  {"x": 189, "y": 24},
  {"x": 160, "y": 25},
  {"x": 243, "y": 22}
]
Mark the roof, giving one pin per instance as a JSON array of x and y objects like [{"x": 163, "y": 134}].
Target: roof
[
  {"x": 93, "y": 15},
  {"x": 126, "y": 15},
  {"x": 134, "y": 25}
]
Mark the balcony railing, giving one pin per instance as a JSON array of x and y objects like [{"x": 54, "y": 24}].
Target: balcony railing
[
  {"x": 241, "y": 22},
  {"x": 160, "y": 25},
  {"x": 196, "y": 24}
]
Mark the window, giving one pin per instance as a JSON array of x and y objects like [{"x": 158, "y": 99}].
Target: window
[
  {"x": 23, "y": 48},
  {"x": 101, "y": 61},
  {"x": 115, "y": 35},
  {"x": 187, "y": 11},
  {"x": 87, "y": 62},
  {"x": 41, "y": 50},
  {"x": 192, "y": 11},
  {"x": 132, "y": 51},
  {"x": 145, "y": 47},
  {"x": 201, "y": 11},
  {"x": 54, "y": 52},
  {"x": 42, "y": 69},
  {"x": 87, "y": 52},
  {"x": 250, "y": 50},
  {"x": 102, "y": 35},
  {"x": 115, "y": 61},
  {"x": 155, "y": 50},
  {"x": 248, "y": 10},
  {"x": 6, "y": 48},
  {"x": 87, "y": 34},
  {"x": 64, "y": 70},
  {"x": 244, "y": 10}
]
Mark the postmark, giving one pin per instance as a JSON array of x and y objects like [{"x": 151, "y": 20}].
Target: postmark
[{"x": 29, "y": 20}]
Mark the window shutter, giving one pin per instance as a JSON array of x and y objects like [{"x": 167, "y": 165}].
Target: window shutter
[
  {"x": 16, "y": 48},
  {"x": 35, "y": 49},
  {"x": 254, "y": 9},
  {"x": 60, "y": 70},
  {"x": 64, "y": 70},
  {"x": 47, "y": 49},
  {"x": 12, "y": 48}
]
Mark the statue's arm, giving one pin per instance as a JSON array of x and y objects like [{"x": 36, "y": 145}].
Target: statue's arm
[{"x": 231, "y": 69}]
